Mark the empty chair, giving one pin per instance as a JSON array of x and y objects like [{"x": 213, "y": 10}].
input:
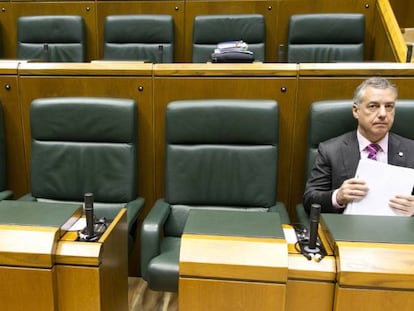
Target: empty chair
[
  {"x": 331, "y": 118},
  {"x": 139, "y": 37},
  {"x": 54, "y": 38},
  {"x": 220, "y": 155},
  {"x": 208, "y": 30},
  {"x": 4, "y": 192},
  {"x": 86, "y": 144},
  {"x": 321, "y": 38}
]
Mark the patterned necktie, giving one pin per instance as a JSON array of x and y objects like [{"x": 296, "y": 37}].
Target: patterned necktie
[{"x": 372, "y": 151}]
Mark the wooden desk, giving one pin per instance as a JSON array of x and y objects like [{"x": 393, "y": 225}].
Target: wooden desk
[
  {"x": 223, "y": 269},
  {"x": 310, "y": 284},
  {"x": 374, "y": 260},
  {"x": 43, "y": 267}
]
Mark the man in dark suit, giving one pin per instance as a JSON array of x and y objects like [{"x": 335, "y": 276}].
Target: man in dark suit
[{"x": 332, "y": 183}]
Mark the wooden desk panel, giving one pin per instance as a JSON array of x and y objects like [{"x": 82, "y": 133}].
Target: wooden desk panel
[
  {"x": 100, "y": 284},
  {"x": 24, "y": 288},
  {"x": 225, "y": 295}
]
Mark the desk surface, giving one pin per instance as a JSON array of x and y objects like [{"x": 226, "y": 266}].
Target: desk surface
[
  {"x": 371, "y": 229},
  {"x": 29, "y": 213},
  {"x": 234, "y": 223}
]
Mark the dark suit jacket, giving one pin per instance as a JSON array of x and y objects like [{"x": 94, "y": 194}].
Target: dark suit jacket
[{"x": 337, "y": 160}]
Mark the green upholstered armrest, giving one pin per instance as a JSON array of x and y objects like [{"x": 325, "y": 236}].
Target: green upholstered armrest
[
  {"x": 133, "y": 210},
  {"x": 151, "y": 231},
  {"x": 281, "y": 209},
  {"x": 6, "y": 194}
]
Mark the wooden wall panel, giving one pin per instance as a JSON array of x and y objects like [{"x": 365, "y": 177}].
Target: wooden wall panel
[{"x": 15, "y": 156}]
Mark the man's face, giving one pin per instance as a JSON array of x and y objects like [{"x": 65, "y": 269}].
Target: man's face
[{"x": 375, "y": 113}]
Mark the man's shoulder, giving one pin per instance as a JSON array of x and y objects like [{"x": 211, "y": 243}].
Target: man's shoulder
[
  {"x": 404, "y": 140},
  {"x": 338, "y": 140}
]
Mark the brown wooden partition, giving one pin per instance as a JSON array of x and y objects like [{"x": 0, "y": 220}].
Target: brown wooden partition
[
  {"x": 244, "y": 81},
  {"x": 17, "y": 177}
]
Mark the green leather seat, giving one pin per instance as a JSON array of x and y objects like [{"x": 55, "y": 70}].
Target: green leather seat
[
  {"x": 208, "y": 30},
  {"x": 220, "y": 155},
  {"x": 323, "y": 38},
  {"x": 53, "y": 38},
  {"x": 86, "y": 144},
  {"x": 331, "y": 118},
  {"x": 139, "y": 37},
  {"x": 4, "y": 192}
]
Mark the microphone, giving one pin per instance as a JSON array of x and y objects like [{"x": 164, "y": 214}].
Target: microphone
[
  {"x": 409, "y": 53},
  {"x": 313, "y": 229},
  {"x": 90, "y": 221}
]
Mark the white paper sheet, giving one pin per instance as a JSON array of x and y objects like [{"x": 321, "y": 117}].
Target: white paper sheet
[{"x": 384, "y": 182}]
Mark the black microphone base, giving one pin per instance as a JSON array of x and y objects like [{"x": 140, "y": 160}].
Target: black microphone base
[
  {"x": 83, "y": 235},
  {"x": 311, "y": 250}
]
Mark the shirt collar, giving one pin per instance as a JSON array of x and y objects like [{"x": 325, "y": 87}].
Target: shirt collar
[{"x": 363, "y": 142}]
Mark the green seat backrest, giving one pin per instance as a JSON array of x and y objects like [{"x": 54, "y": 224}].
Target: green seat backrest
[
  {"x": 84, "y": 144},
  {"x": 322, "y": 38},
  {"x": 208, "y": 30},
  {"x": 54, "y": 38},
  {"x": 143, "y": 37},
  {"x": 220, "y": 154}
]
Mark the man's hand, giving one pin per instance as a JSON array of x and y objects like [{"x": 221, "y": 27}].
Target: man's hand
[
  {"x": 352, "y": 189},
  {"x": 403, "y": 204}
]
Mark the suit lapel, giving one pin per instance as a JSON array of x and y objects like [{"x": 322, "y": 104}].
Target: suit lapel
[
  {"x": 350, "y": 152},
  {"x": 396, "y": 152}
]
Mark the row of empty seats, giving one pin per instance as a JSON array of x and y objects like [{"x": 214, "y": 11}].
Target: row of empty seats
[{"x": 311, "y": 37}]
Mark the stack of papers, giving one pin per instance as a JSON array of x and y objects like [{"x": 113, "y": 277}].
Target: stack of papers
[
  {"x": 232, "y": 46},
  {"x": 384, "y": 181}
]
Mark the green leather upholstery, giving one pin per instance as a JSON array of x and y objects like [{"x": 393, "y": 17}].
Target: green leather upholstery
[
  {"x": 53, "y": 38},
  {"x": 220, "y": 155},
  {"x": 86, "y": 144},
  {"x": 331, "y": 118},
  {"x": 208, "y": 30},
  {"x": 4, "y": 193},
  {"x": 322, "y": 38},
  {"x": 139, "y": 37}
]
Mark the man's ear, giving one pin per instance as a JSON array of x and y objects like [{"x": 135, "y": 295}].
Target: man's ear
[{"x": 355, "y": 110}]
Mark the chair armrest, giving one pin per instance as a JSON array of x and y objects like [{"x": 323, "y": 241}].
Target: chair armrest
[
  {"x": 281, "y": 209},
  {"x": 134, "y": 209},
  {"x": 151, "y": 232},
  {"x": 6, "y": 194}
]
